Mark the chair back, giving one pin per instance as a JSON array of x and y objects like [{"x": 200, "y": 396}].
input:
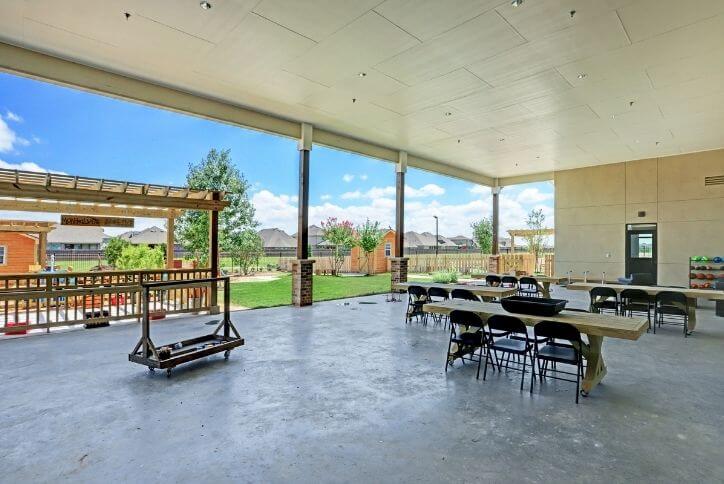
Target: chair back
[
  {"x": 671, "y": 298},
  {"x": 492, "y": 280},
  {"x": 602, "y": 293},
  {"x": 556, "y": 330},
  {"x": 635, "y": 295},
  {"x": 464, "y": 294},
  {"x": 466, "y": 318},
  {"x": 528, "y": 283},
  {"x": 509, "y": 281},
  {"x": 437, "y": 292},
  {"x": 508, "y": 324},
  {"x": 417, "y": 291}
]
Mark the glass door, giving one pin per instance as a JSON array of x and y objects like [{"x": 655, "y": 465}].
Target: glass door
[{"x": 641, "y": 251}]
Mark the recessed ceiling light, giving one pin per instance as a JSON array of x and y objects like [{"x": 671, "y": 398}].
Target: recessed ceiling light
[
  {"x": 613, "y": 116},
  {"x": 205, "y": 5},
  {"x": 516, "y": 3},
  {"x": 582, "y": 75},
  {"x": 362, "y": 74}
]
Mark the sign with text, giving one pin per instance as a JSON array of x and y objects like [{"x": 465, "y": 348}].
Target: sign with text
[{"x": 90, "y": 221}]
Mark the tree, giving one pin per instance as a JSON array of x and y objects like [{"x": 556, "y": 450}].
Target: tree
[
  {"x": 114, "y": 248},
  {"x": 536, "y": 237},
  {"x": 369, "y": 236},
  {"x": 246, "y": 249},
  {"x": 216, "y": 172},
  {"x": 483, "y": 234},
  {"x": 341, "y": 236},
  {"x": 140, "y": 257}
]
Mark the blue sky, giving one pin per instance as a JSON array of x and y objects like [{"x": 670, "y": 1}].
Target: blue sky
[{"x": 48, "y": 127}]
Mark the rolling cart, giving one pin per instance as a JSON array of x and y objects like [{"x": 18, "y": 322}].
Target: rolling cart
[{"x": 172, "y": 354}]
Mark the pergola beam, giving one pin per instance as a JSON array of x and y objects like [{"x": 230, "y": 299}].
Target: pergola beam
[{"x": 86, "y": 208}]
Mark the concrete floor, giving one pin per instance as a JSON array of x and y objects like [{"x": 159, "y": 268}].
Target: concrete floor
[{"x": 349, "y": 393}]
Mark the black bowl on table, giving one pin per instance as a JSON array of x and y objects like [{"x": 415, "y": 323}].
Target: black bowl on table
[{"x": 534, "y": 306}]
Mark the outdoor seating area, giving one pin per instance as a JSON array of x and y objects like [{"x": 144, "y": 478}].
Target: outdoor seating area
[{"x": 316, "y": 412}]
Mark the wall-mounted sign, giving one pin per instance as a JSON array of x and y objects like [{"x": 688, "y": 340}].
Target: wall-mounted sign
[{"x": 90, "y": 221}]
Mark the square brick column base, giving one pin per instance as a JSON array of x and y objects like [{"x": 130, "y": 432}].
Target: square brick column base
[
  {"x": 398, "y": 267},
  {"x": 494, "y": 264},
  {"x": 302, "y": 282}
]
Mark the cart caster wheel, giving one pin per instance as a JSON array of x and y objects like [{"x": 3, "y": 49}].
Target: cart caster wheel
[
  {"x": 168, "y": 373},
  {"x": 226, "y": 354},
  {"x": 584, "y": 393}
]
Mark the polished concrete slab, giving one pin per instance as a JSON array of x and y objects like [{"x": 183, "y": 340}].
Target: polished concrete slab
[{"x": 346, "y": 392}]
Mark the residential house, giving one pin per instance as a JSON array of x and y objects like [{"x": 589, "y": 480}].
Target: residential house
[{"x": 68, "y": 237}]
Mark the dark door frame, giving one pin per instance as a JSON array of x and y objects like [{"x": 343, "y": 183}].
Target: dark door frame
[{"x": 643, "y": 228}]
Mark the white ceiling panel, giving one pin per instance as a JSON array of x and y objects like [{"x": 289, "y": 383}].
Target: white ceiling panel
[
  {"x": 352, "y": 50},
  {"x": 477, "y": 84},
  {"x": 484, "y": 36},
  {"x": 316, "y": 20},
  {"x": 426, "y": 19}
]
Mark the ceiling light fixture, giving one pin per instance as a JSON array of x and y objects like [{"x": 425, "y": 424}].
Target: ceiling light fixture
[
  {"x": 516, "y": 3},
  {"x": 630, "y": 103},
  {"x": 448, "y": 113},
  {"x": 205, "y": 5},
  {"x": 362, "y": 74},
  {"x": 572, "y": 13},
  {"x": 582, "y": 75}
]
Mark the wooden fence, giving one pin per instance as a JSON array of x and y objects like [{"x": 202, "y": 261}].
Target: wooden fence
[{"x": 43, "y": 301}]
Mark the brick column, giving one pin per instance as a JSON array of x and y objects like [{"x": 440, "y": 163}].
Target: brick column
[
  {"x": 302, "y": 270},
  {"x": 494, "y": 264},
  {"x": 398, "y": 266}
]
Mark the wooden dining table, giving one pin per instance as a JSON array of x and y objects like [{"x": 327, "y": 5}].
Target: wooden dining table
[
  {"x": 691, "y": 294},
  {"x": 485, "y": 291},
  {"x": 596, "y": 327}
]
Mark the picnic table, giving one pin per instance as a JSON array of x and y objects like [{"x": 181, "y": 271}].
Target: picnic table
[
  {"x": 691, "y": 294},
  {"x": 485, "y": 291},
  {"x": 595, "y": 326}
]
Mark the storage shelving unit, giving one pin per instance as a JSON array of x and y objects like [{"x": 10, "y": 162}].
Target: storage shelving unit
[
  {"x": 170, "y": 355},
  {"x": 703, "y": 274}
]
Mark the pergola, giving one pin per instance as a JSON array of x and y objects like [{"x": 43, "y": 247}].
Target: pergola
[
  {"x": 60, "y": 193},
  {"x": 38, "y": 228},
  {"x": 526, "y": 233}
]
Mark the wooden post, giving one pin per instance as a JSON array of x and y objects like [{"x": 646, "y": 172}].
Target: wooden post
[
  {"x": 496, "y": 222},
  {"x": 214, "y": 255},
  {"x": 42, "y": 248},
  {"x": 169, "y": 242}
]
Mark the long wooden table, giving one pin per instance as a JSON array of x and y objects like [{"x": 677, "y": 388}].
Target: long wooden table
[
  {"x": 594, "y": 326},
  {"x": 691, "y": 294},
  {"x": 486, "y": 291}
]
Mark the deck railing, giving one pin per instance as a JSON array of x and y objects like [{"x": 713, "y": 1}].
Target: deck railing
[{"x": 44, "y": 301}]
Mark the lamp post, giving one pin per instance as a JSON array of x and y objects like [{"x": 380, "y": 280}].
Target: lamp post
[{"x": 437, "y": 236}]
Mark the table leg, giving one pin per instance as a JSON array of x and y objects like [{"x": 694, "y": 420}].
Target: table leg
[
  {"x": 595, "y": 367},
  {"x": 692, "y": 314}
]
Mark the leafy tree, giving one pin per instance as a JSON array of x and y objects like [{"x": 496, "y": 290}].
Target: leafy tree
[
  {"x": 140, "y": 257},
  {"x": 483, "y": 234},
  {"x": 369, "y": 236},
  {"x": 341, "y": 236},
  {"x": 216, "y": 172},
  {"x": 114, "y": 248},
  {"x": 536, "y": 236},
  {"x": 246, "y": 249}
]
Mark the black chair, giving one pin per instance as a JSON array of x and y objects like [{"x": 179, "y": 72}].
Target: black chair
[
  {"x": 464, "y": 295},
  {"x": 519, "y": 347},
  {"x": 603, "y": 299},
  {"x": 416, "y": 299},
  {"x": 671, "y": 307},
  {"x": 528, "y": 286},
  {"x": 554, "y": 352},
  {"x": 636, "y": 301},
  {"x": 468, "y": 341},
  {"x": 438, "y": 294},
  {"x": 492, "y": 280},
  {"x": 509, "y": 281}
]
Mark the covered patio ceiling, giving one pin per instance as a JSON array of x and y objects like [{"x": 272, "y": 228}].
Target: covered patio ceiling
[{"x": 477, "y": 89}]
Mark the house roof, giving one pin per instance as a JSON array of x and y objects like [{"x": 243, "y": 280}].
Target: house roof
[
  {"x": 276, "y": 238},
  {"x": 67, "y": 234},
  {"x": 426, "y": 239},
  {"x": 150, "y": 236}
]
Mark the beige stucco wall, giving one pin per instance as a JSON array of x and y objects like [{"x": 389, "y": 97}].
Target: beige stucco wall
[{"x": 594, "y": 204}]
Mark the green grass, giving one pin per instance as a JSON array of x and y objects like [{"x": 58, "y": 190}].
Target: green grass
[{"x": 279, "y": 292}]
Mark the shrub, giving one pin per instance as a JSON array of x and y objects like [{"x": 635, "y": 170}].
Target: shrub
[
  {"x": 445, "y": 277},
  {"x": 140, "y": 257}
]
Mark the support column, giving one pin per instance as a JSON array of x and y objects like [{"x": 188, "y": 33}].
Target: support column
[
  {"x": 214, "y": 256},
  {"x": 170, "y": 226},
  {"x": 494, "y": 265},
  {"x": 398, "y": 263},
  {"x": 42, "y": 248},
  {"x": 302, "y": 268}
]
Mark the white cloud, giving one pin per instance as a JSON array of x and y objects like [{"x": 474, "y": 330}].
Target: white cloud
[
  {"x": 347, "y": 177},
  {"x": 363, "y": 177},
  {"x": 325, "y": 197},
  {"x": 37, "y": 140},
  {"x": 533, "y": 195},
  {"x": 27, "y": 166},
  {"x": 11, "y": 116},
  {"x": 479, "y": 190},
  {"x": 429, "y": 190},
  {"x": 8, "y": 138}
]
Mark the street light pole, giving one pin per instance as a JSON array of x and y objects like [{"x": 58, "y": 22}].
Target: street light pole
[{"x": 437, "y": 234}]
